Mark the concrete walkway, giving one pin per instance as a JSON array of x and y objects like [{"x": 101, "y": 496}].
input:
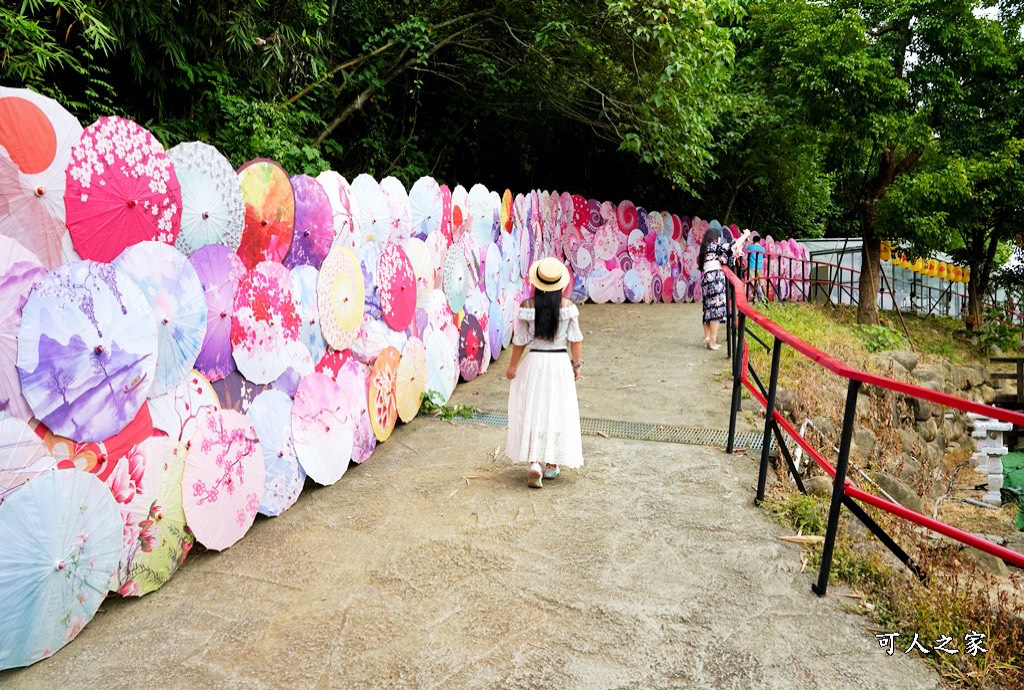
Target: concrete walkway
[{"x": 434, "y": 566}]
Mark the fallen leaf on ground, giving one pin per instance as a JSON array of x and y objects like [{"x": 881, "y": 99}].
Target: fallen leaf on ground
[
  {"x": 455, "y": 491},
  {"x": 804, "y": 539}
]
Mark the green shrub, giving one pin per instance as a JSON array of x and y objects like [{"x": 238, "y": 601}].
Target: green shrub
[{"x": 880, "y": 338}]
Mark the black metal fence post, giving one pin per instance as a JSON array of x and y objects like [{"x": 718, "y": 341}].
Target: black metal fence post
[
  {"x": 737, "y": 381},
  {"x": 730, "y": 315},
  {"x": 838, "y": 489},
  {"x": 769, "y": 419}
]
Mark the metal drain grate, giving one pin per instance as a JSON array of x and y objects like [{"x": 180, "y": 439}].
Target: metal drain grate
[{"x": 639, "y": 431}]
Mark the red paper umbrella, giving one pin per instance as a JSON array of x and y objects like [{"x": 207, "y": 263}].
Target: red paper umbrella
[
  {"x": 269, "y": 212},
  {"x": 396, "y": 282},
  {"x": 332, "y": 362},
  {"x": 677, "y": 228},
  {"x": 666, "y": 290},
  {"x": 121, "y": 190},
  {"x": 471, "y": 347},
  {"x": 627, "y": 216},
  {"x": 579, "y": 211}
]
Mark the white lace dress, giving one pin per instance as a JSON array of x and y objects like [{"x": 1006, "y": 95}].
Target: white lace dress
[{"x": 543, "y": 412}]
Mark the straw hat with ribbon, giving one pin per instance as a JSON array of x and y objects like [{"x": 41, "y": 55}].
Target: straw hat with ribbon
[{"x": 549, "y": 275}]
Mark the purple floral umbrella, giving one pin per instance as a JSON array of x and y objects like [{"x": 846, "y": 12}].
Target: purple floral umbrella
[
  {"x": 20, "y": 270},
  {"x": 219, "y": 269},
  {"x": 314, "y": 224},
  {"x": 235, "y": 392},
  {"x": 87, "y": 350}
]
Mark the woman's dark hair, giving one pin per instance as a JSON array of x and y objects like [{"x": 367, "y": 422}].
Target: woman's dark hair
[
  {"x": 546, "y": 304},
  {"x": 710, "y": 236}
]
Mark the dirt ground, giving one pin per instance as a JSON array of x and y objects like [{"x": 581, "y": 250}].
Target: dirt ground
[{"x": 434, "y": 566}]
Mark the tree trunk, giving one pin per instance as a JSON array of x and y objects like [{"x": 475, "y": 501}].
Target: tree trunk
[
  {"x": 870, "y": 276},
  {"x": 974, "y": 294}
]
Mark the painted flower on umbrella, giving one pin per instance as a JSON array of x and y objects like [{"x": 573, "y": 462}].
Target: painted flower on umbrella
[
  {"x": 231, "y": 447},
  {"x": 381, "y": 396},
  {"x": 267, "y": 321},
  {"x": 126, "y": 479},
  {"x": 117, "y": 158}
]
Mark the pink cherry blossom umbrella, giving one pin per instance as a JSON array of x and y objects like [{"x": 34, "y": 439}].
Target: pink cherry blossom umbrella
[
  {"x": 269, "y": 212},
  {"x": 223, "y": 480},
  {"x": 399, "y": 213},
  {"x": 121, "y": 190},
  {"x": 396, "y": 282},
  {"x": 219, "y": 269},
  {"x": 36, "y": 136},
  {"x": 353, "y": 379},
  {"x": 266, "y": 327},
  {"x": 323, "y": 429},
  {"x": 314, "y": 224},
  {"x": 20, "y": 271},
  {"x": 446, "y": 213}
]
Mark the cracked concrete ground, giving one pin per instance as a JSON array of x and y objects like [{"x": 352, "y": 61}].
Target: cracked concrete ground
[{"x": 433, "y": 565}]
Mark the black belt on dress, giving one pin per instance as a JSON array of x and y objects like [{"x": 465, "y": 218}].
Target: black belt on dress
[{"x": 562, "y": 350}]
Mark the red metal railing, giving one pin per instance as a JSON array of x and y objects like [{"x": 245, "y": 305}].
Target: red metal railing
[{"x": 842, "y": 491}]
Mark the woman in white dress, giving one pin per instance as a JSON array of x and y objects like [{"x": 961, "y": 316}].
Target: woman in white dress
[{"x": 543, "y": 412}]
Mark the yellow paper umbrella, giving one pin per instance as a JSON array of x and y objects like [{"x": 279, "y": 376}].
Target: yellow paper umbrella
[
  {"x": 411, "y": 384},
  {"x": 886, "y": 251},
  {"x": 341, "y": 296}
]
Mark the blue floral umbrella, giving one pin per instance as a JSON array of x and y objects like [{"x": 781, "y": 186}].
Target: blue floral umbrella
[
  {"x": 61, "y": 536},
  {"x": 174, "y": 291},
  {"x": 270, "y": 414}
]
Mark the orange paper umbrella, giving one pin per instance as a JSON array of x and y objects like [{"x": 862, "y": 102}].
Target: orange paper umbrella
[
  {"x": 382, "y": 403},
  {"x": 269, "y": 212}
]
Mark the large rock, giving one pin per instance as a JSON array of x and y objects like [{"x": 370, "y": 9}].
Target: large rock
[
  {"x": 819, "y": 485},
  {"x": 965, "y": 378},
  {"x": 888, "y": 366},
  {"x": 953, "y": 430},
  {"x": 927, "y": 430},
  {"x": 910, "y": 441},
  {"x": 907, "y": 359},
  {"x": 988, "y": 394},
  {"x": 989, "y": 563},
  {"x": 825, "y": 427},
  {"x": 928, "y": 375},
  {"x": 785, "y": 401},
  {"x": 903, "y": 494},
  {"x": 909, "y": 468},
  {"x": 864, "y": 442}
]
